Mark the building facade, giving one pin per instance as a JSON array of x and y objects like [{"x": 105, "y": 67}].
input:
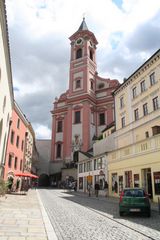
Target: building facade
[
  {"x": 6, "y": 96},
  {"x": 15, "y": 155},
  {"x": 135, "y": 161},
  {"x": 84, "y": 110}
]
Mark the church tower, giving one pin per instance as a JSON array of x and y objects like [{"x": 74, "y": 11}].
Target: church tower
[
  {"x": 83, "y": 62},
  {"x": 85, "y": 109}
]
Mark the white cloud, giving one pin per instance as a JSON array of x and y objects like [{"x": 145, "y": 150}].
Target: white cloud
[{"x": 42, "y": 132}]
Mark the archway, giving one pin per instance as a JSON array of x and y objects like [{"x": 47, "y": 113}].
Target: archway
[{"x": 43, "y": 180}]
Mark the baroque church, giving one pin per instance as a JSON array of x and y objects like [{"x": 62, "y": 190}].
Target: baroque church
[{"x": 81, "y": 113}]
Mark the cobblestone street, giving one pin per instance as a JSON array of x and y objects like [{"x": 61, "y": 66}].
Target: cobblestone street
[{"x": 77, "y": 216}]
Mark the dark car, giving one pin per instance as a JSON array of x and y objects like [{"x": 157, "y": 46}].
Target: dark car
[{"x": 134, "y": 200}]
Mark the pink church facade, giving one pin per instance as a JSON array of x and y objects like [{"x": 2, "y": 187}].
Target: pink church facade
[{"x": 86, "y": 108}]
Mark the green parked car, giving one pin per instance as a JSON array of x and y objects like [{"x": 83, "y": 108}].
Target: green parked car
[{"x": 134, "y": 200}]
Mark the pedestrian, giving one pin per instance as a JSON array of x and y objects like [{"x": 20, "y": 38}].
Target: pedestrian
[{"x": 97, "y": 187}]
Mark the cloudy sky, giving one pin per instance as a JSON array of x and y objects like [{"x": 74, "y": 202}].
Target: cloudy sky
[{"x": 128, "y": 32}]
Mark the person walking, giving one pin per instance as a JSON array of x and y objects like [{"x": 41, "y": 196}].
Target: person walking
[{"x": 97, "y": 187}]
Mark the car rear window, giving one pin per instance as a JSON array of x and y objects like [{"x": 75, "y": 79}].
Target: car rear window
[{"x": 134, "y": 193}]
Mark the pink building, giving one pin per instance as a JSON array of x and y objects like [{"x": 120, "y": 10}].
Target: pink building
[
  {"x": 16, "y": 145},
  {"x": 85, "y": 109}
]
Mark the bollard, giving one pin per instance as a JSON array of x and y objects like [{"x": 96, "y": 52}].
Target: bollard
[{"x": 159, "y": 205}]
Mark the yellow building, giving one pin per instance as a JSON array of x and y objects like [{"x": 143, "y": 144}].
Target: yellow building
[{"x": 136, "y": 158}]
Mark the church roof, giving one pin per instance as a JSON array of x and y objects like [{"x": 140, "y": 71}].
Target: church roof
[{"x": 83, "y": 26}]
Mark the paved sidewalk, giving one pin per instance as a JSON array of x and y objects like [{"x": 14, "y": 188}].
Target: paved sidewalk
[{"x": 22, "y": 217}]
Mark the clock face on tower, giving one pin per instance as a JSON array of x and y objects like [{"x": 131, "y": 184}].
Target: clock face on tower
[{"x": 79, "y": 41}]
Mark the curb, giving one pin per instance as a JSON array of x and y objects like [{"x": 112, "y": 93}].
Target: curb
[{"x": 48, "y": 226}]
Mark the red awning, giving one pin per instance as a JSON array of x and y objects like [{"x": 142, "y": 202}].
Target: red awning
[{"x": 26, "y": 175}]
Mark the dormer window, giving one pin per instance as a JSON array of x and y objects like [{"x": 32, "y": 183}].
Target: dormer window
[{"x": 79, "y": 53}]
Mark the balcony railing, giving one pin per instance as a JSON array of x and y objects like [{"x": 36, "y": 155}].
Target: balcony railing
[{"x": 142, "y": 147}]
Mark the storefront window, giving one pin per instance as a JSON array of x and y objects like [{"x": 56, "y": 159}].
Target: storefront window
[
  {"x": 136, "y": 180},
  {"x": 81, "y": 183},
  {"x": 128, "y": 179},
  {"x": 114, "y": 183},
  {"x": 120, "y": 184},
  {"x": 157, "y": 182}
]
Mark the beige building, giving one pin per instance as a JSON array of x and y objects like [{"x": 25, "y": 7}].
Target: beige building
[
  {"x": 29, "y": 145},
  {"x": 136, "y": 158},
  {"x": 6, "y": 88}
]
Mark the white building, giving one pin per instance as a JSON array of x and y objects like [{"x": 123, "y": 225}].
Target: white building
[{"x": 6, "y": 88}]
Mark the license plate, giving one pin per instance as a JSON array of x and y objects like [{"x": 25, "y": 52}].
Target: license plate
[{"x": 135, "y": 210}]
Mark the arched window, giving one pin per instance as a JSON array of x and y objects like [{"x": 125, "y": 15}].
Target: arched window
[
  {"x": 58, "y": 150},
  {"x": 91, "y": 55},
  {"x": 79, "y": 53},
  {"x": 78, "y": 83}
]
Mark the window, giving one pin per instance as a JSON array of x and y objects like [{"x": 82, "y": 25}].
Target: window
[
  {"x": 22, "y": 145},
  {"x": 143, "y": 86},
  {"x": 10, "y": 161},
  {"x": 59, "y": 126},
  {"x": 17, "y": 142},
  {"x": 18, "y": 123},
  {"x": 157, "y": 182},
  {"x": 136, "y": 115},
  {"x": 79, "y": 53},
  {"x": 155, "y": 103},
  {"x": 78, "y": 83},
  {"x": 99, "y": 163},
  {"x": 15, "y": 163},
  {"x": 123, "y": 121},
  {"x": 145, "y": 109},
  {"x": 92, "y": 85},
  {"x": 91, "y": 55},
  {"x": 95, "y": 164},
  {"x": 81, "y": 183},
  {"x": 128, "y": 179},
  {"x": 77, "y": 117},
  {"x": 81, "y": 168},
  {"x": 152, "y": 79},
  {"x": 121, "y": 102},
  {"x": 58, "y": 150},
  {"x": 12, "y": 136},
  {"x": 155, "y": 130},
  {"x": 21, "y": 165},
  {"x": 147, "y": 134},
  {"x": 134, "y": 92},
  {"x": 101, "y": 119},
  {"x": 101, "y": 85},
  {"x": 136, "y": 180},
  {"x": 75, "y": 156}
]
